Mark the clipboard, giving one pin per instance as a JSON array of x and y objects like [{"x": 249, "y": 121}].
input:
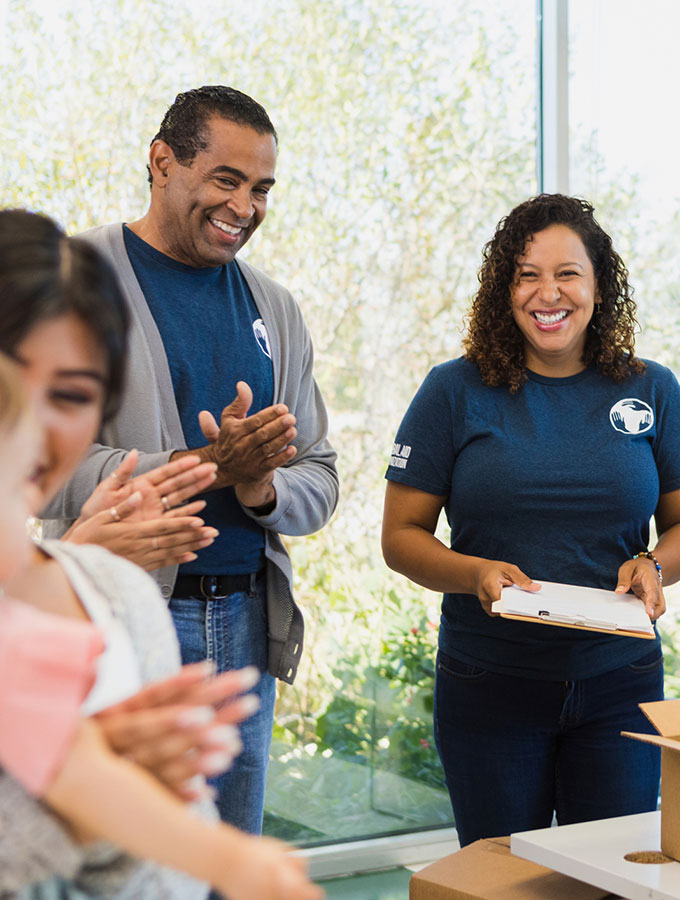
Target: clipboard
[{"x": 573, "y": 606}]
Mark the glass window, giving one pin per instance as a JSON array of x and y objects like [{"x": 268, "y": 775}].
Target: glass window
[
  {"x": 624, "y": 134},
  {"x": 406, "y": 130},
  {"x": 623, "y": 148}
]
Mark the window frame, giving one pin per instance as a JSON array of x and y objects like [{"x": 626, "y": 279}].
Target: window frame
[
  {"x": 552, "y": 96},
  {"x": 552, "y": 166}
]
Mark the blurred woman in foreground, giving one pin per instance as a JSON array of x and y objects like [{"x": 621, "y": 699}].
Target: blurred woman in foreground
[{"x": 63, "y": 321}]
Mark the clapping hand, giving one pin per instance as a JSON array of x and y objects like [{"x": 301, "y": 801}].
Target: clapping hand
[
  {"x": 247, "y": 449},
  {"x": 183, "y": 726},
  {"x": 139, "y": 518},
  {"x": 161, "y": 489}
]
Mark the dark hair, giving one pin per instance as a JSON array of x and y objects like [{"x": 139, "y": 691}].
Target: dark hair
[
  {"x": 44, "y": 275},
  {"x": 493, "y": 340},
  {"x": 184, "y": 125}
]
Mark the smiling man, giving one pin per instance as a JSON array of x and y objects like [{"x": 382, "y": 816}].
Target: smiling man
[{"x": 221, "y": 362}]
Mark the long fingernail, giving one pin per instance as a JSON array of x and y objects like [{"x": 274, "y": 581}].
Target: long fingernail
[
  {"x": 199, "y": 715},
  {"x": 224, "y": 736},
  {"x": 203, "y": 790},
  {"x": 209, "y": 666},
  {"x": 250, "y": 704},
  {"x": 249, "y": 677},
  {"x": 216, "y": 762}
]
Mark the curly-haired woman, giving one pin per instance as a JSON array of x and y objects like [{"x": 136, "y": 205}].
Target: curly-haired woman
[{"x": 550, "y": 445}]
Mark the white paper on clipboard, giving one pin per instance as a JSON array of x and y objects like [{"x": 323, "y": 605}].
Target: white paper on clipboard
[{"x": 568, "y": 604}]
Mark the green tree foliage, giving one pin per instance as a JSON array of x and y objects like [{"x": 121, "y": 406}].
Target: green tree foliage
[{"x": 406, "y": 131}]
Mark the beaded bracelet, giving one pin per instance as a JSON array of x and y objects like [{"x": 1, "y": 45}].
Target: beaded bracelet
[{"x": 648, "y": 555}]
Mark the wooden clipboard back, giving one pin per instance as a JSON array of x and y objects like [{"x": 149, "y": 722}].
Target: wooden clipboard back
[{"x": 616, "y": 631}]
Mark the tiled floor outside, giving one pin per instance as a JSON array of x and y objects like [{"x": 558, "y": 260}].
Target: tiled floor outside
[
  {"x": 392, "y": 884},
  {"x": 365, "y": 801}
]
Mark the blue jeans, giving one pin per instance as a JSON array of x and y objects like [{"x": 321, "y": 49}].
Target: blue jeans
[
  {"x": 233, "y": 632},
  {"x": 515, "y": 750}
]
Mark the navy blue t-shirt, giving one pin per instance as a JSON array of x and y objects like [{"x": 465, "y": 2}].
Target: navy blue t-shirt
[
  {"x": 560, "y": 479},
  {"x": 213, "y": 337}
]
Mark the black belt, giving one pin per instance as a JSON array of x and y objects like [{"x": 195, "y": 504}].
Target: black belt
[{"x": 214, "y": 587}]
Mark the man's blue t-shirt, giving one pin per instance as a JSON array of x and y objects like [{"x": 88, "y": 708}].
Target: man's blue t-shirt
[
  {"x": 560, "y": 479},
  {"x": 213, "y": 337}
]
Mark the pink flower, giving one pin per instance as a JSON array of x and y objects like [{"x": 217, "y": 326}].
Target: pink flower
[
  {"x": 424, "y": 744},
  {"x": 414, "y": 630}
]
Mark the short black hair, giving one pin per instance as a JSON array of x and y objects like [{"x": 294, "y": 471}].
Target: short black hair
[
  {"x": 184, "y": 125},
  {"x": 45, "y": 275}
]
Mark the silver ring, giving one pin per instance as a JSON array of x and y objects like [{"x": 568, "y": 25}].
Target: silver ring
[
  {"x": 165, "y": 502},
  {"x": 115, "y": 515}
]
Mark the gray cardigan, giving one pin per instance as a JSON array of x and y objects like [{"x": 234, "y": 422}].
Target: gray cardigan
[{"x": 306, "y": 488}]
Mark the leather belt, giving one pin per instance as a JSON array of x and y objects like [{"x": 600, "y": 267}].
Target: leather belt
[{"x": 214, "y": 587}]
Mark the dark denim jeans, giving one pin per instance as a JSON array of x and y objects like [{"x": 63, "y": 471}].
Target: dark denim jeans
[
  {"x": 515, "y": 750},
  {"x": 233, "y": 632}
]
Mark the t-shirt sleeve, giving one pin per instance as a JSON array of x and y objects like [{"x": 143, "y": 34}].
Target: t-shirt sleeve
[
  {"x": 423, "y": 454},
  {"x": 667, "y": 444},
  {"x": 47, "y": 666}
]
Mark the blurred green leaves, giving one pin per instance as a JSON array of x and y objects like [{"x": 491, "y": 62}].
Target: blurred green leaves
[{"x": 406, "y": 130}]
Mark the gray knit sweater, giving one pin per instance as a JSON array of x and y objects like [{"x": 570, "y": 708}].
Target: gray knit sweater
[{"x": 306, "y": 488}]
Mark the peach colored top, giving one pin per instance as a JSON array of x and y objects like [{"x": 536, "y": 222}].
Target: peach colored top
[{"x": 47, "y": 667}]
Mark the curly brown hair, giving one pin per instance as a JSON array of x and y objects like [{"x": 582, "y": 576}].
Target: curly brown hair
[{"x": 493, "y": 340}]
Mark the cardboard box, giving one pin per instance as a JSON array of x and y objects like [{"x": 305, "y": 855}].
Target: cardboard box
[
  {"x": 665, "y": 717},
  {"x": 486, "y": 870}
]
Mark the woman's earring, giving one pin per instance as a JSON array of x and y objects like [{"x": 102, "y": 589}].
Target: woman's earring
[{"x": 595, "y": 318}]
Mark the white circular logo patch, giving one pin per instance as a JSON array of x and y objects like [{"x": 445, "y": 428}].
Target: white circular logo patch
[
  {"x": 631, "y": 416},
  {"x": 262, "y": 337}
]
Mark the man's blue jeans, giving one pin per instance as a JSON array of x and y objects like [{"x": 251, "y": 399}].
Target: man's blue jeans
[
  {"x": 233, "y": 632},
  {"x": 515, "y": 750}
]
